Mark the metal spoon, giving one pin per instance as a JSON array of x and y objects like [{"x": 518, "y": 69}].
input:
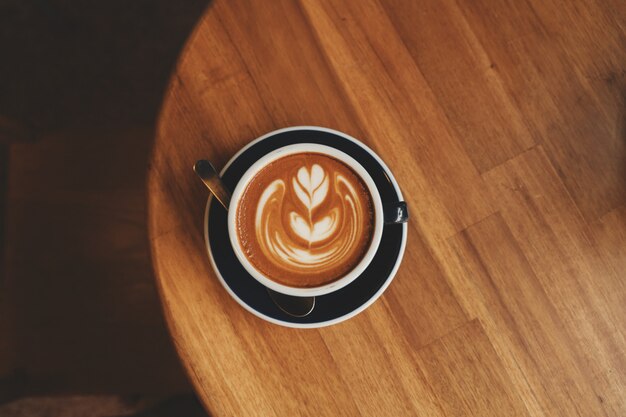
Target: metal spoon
[
  {"x": 294, "y": 306},
  {"x": 212, "y": 180}
]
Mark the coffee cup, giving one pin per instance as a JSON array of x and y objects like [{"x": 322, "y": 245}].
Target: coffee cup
[{"x": 371, "y": 229}]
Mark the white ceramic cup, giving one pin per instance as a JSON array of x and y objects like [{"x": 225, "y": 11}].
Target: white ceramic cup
[{"x": 289, "y": 150}]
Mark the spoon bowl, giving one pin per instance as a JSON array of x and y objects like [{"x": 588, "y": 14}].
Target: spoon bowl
[{"x": 294, "y": 306}]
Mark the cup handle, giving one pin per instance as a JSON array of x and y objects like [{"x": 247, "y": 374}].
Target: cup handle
[{"x": 394, "y": 213}]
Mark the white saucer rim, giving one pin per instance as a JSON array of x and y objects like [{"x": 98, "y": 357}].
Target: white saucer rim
[{"x": 354, "y": 312}]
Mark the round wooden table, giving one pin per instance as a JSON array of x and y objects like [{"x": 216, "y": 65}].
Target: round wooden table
[{"x": 494, "y": 116}]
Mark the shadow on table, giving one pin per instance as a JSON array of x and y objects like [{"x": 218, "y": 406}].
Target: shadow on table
[{"x": 79, "y": 312}]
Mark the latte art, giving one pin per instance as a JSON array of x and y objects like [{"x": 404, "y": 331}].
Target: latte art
[
  {"x": 304, "y": 240},
  {"x": 311, "y": 220}
]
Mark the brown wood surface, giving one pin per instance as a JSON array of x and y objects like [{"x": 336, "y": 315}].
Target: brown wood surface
[{"x": 505, "y": 125}]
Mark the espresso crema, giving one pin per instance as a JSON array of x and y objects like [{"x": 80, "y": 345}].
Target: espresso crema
[{"x": 305, "y": 220}]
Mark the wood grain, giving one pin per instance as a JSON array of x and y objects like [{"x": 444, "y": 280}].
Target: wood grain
[
  {"x": 469, "y": 376},
  {"x": 485, "y": 118},
  {"x": 503, "y": 123},
  {"x": 496, "y": 283},
  {"x": 400, "y": 114},
  {"x": 587, "y": 296},
  {"x": 571, "y": 115},
  {"x": 609, "y": 233}
]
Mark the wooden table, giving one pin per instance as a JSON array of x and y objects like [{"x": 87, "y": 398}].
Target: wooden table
[{"x": 504, "y": 123}]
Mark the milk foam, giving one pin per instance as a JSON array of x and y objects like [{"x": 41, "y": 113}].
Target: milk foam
[{"x": 304, "y": 240}]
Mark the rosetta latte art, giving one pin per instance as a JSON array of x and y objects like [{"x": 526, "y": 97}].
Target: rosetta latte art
[
  {"x": 319, "y": 241},
  {"x": 313, "y": 217}
]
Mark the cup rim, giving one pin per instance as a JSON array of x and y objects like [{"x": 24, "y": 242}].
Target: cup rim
[{"x": 353, "y": 273}]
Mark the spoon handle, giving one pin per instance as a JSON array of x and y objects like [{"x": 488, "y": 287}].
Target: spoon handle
[
  {"x": 294, "y": 306},
  {"x": 211, "y": 179}
]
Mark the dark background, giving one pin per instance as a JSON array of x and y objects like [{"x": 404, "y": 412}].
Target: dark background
[
  {"x": 81, "y": 84},
  {"x": 89, "y": 63}
]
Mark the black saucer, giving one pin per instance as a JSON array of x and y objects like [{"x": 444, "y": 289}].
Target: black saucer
[{"x": 331, "y": 308}]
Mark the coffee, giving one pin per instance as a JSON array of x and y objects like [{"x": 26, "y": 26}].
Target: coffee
[{"x": 305, "y": 220}]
